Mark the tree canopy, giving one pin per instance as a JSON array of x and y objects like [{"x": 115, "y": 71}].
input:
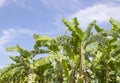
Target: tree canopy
[{"x": 90, "y": 56}]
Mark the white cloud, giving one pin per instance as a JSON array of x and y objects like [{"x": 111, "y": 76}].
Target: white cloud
[
  {"x": 9, "y": 35},
  {"x": 2, "y": 2},
  {"x": 99, "y": 12}
]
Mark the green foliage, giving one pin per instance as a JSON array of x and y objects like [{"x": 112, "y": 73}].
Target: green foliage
[{"x": 78, "y": 57}]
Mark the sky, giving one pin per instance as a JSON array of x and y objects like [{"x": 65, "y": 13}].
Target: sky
[{"x": 20, "y": 19}]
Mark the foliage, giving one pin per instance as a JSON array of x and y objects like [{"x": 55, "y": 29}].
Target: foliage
[{"x": 76, "y": 57}]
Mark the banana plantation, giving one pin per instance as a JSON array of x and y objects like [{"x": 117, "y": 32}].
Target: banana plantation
[{"x": 78, "y": 56}]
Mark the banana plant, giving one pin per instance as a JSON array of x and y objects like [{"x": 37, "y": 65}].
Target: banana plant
[
  {"x": 79, "y": 38},
  {"x": 105, "y": 43},
  {"x": 101, "y": 42},
  {"x": 90, "y": 56},
  {"x": 19, "y": 68}
]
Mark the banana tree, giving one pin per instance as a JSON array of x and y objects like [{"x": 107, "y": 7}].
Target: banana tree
[
  {"x": 79, "y": 38},
  {"x": 70, "y": 46},
  {"x": 96, "y": 50},
  {"x": 90, "y": 56},
  {"x": 22, "y": 68}
]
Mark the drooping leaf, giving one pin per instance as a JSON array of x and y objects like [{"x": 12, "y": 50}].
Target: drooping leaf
[
  {"x": 13, "y": 49},
  {"x": 16, "y": 58},
  {"x": 48, "y": 60},
  {"x": 96, "y": 38}
]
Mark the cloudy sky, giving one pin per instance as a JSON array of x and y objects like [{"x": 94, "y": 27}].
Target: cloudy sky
[{"x": 20, "y": 19}]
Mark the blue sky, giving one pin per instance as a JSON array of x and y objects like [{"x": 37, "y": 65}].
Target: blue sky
[{"x": 20, "y": 19}]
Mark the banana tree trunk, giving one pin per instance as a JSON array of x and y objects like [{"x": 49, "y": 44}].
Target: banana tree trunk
[
  {"x": 83, "y": 66},
  {"x": 31, "y": 75}
]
